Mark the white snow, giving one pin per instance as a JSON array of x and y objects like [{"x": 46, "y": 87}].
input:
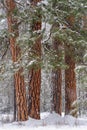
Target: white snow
[
  {"x": 3, "y": 24},
  {"x": 49, "y": 121},
  {"x": 31, "y": 62},
  {"x": 43, "y": 128}
]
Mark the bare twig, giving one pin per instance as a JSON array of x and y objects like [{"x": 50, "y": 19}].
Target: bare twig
[{"x": 5, "y": 52}]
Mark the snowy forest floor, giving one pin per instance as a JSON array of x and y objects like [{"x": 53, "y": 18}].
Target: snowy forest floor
[{"x": 48, "y": 122}]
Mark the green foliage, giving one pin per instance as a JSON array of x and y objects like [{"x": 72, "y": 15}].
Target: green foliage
[
  {"x": 55, "y": 13},
  {"x": 70, "y": 33}
]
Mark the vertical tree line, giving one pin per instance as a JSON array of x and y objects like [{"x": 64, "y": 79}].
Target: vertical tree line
[
  {"x": 20, "y": 91},
  {"x": 31, "y": 107},
  {"x": 57, "y": 81},
  {"x": 35, "y": 73},
  {"x": 70, "y": 82}
]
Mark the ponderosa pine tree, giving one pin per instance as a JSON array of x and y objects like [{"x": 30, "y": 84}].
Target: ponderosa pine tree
[
  {"x": 56, "y": 92},
  {"x": 35, "y": 73},
  {"x": 70, "y": 78},
  {"x": 70, "y": 83},
  {"x": 56, "y": 81},
  {"x": 21, "y": 104},
  {"x": 66, "y": 32},
  {"x": 68, "y": 15}
]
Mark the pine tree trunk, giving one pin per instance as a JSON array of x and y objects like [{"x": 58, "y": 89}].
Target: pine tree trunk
[
  {"x": 21, "y": 104},
  {"x": 34, "y": 94},
  {"x": 70, "y": 82},
  {"x": 57, "y": 80},
  {"x": 56, "y": 85},
  {"x": 35, "y": 74}
]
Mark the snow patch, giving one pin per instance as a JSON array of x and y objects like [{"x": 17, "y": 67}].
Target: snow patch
[{"x": 49, "y": 121}]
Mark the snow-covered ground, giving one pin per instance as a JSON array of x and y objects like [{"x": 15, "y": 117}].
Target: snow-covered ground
[
  {"x": 48, "y": 122},
  {"x": 43, "y": 128}
]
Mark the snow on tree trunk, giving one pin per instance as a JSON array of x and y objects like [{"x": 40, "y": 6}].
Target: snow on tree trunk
[
  {"x": 35, "y": 74},
  {"x": 21, "y": 104}
]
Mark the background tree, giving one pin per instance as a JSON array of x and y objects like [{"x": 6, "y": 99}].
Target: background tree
[
  {"x": 70, "y": 34},
  {"x": 57, "y": 78}
]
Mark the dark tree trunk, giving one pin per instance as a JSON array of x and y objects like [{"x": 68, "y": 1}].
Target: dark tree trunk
[
  {"x": 57, "y": 79},
  {"x": 35, "y": 74},
  {"x": 20, "y": 91},
  {"x": 56, "y": 85}
]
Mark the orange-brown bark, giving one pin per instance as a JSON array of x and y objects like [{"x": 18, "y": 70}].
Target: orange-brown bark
[
  {"x": 70, "y": 81},
  {"x": 34, "y": 94},
  {"x": 70, "y": 78},
  {"x": 21, "y": 104},
  {"x": 35, "y": 74}
]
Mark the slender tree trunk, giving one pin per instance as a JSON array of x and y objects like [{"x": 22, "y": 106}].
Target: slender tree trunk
[
  {"x": 56, "y": 85},
  {"x": 70, "y": 83},
  {"x": 14, "y": 104},
  {"x": 57, "y": 81},
  {"x": 35, "y": 74},
  {"x": 20, "y": 91}
]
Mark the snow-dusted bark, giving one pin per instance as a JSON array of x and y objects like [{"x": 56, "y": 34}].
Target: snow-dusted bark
[
  {"x": 21, "y": 104},
  {"x": 35, "y": 73}
]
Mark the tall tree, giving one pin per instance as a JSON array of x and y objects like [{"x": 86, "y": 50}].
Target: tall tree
[
  {"x": 35, "y": 73},
  {"x": 70, "y": 83},
  {"x": 57, "y": 94},
  {"x": 57, "y": 81},
  {"x": 21, "y": 104},
  {"x": 70, "y": 78}
]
